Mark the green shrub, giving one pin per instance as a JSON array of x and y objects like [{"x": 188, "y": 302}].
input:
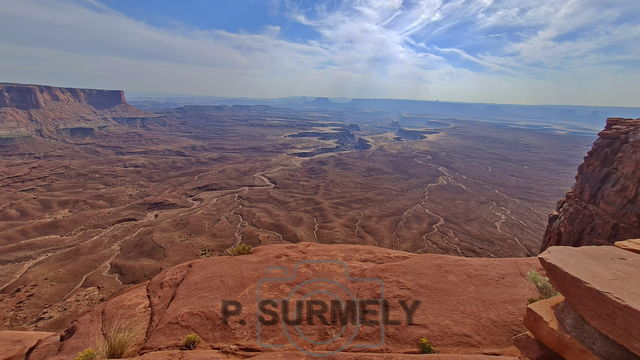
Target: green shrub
[
  {"x": 426, "y": 347},
  {"x": 87, "y": 354},
  {"x": 241, "y": 249},
  {"x": 191, "y": 341},
  {"x": 542, "y": 284}
]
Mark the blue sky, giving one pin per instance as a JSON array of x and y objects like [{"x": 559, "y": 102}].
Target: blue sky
[
  {"x": 238, "y": 16},
  {"x": 503, "y": 51}
]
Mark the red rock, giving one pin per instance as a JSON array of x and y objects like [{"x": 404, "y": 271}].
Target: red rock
[
  {"x": 542, "y": 322},
  {"x": 38, "y": 111},
  {"x": 47, "y": 347},
  {"x": 558, "y": 326},
  {"x": 532, "y": 349},
  {"x": 360, "y": 356},
  {"x": 216, "y": 355},
  {"x": 469, "y": 305},
  {"x": 29, "y": 97},
  {"x": 629, "y": 245},
  {"x": 602, "y": 207},
  {"x": 603, "y": 285},
  {"x": 579, "y": 329},
  {"x": 15, "y": 344}
]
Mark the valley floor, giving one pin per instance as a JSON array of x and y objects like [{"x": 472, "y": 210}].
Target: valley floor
[{"x": 87, "y": 217}]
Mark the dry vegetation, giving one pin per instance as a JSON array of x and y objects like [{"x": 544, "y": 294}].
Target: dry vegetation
[{"x": 543, "y": 286}]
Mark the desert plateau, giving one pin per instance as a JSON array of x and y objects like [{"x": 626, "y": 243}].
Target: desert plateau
[
  {"x": 116, "y": 199},
  {"x": 340, "y": 180}
]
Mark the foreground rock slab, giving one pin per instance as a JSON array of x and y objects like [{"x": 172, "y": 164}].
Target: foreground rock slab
[
  {"x": 603, "y": 285},
  {"x": 469, "y": 306},
  {"x": 216, "y": 355},
  {"x": 532, "y": 349},
  {"x": 558, "y": 326},
  {"x": 542, "y": 322},
  {"x": 15, "y": 344}
]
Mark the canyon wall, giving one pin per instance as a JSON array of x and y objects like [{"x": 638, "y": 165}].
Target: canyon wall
[
  {"x": 38, "y": 111},
  {"x": 30, "y": 97},
  {"x": 604, "y": 204}
]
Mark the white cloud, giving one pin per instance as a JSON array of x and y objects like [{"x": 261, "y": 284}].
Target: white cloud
[{"x": 467, "y": 50}]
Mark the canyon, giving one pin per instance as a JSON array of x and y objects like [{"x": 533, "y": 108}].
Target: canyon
[
  {"x": 134, "y": 218},
  {"x": 85, "y": 215}
]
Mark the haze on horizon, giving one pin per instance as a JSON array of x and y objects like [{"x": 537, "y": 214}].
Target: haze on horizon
[{"x": 581, "y": 52}]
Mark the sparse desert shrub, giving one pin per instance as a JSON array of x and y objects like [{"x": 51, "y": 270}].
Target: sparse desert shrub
[
  {"x": 241, "y": 249},
  {"x": 206, "y": 252},
  {"x": 88, "y": 354},
  {"x": 191, "y": 341},
  {"x": 229, "y": 349},
  {"x": 542, "y": 284},
  {"x": 120, "y": 338},
  {"x": 426, "y": 347}
]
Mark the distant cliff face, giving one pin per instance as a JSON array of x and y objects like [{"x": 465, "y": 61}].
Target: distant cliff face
[
  {"x": 37, "y": 111},
  {"x": 30, "y": 97},
  {"x": 604, "y": 204}
]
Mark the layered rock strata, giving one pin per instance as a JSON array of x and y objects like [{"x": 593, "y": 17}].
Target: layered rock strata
[
  {"x": 37, "y": 111},
  {"x": 602, "y": 207},
  {"x": 598, "y": 315},
  {"x": 30, "y": 97}
]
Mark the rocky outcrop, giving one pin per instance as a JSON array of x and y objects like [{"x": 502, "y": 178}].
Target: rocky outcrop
[
  {"x": 14, "y": 345},
  {"x": 629, "y": 245},
  {"x": 36, "y": 111},
  {"x": 217, "y": 355},
  {"x": 603, "y": 285},
  {"x": 30, "y": 97},
  {"x": 598, "y": 315},
  {"x": 558, "y": 326},
  {"x": 532, "y": 349},
  {"x": 469, "y": 306},
  {"x": 541, "y": 320},
  {"x": 603, "y": 206}
]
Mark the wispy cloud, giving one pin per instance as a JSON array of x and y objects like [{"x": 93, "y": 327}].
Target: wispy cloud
[{"x": 548, "y": 51}]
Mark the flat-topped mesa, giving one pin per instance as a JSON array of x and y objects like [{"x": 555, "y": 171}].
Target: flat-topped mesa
[
  {"x": 31, "y": 97},
  {"x": 602, "y": 207},
  {"x": 29, "y": 112}
]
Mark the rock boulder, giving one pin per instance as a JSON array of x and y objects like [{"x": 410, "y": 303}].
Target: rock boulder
[{"x": 603, "y": 285}]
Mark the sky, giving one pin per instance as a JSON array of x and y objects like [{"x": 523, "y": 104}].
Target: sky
[{"x": 581, "y": 52}]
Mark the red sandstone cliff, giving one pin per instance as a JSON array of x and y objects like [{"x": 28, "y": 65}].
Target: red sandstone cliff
[
  {"x": 50, "y": 112},
  {"x": 29, "y": 97},
  {"x": 604, "y": 204}
]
